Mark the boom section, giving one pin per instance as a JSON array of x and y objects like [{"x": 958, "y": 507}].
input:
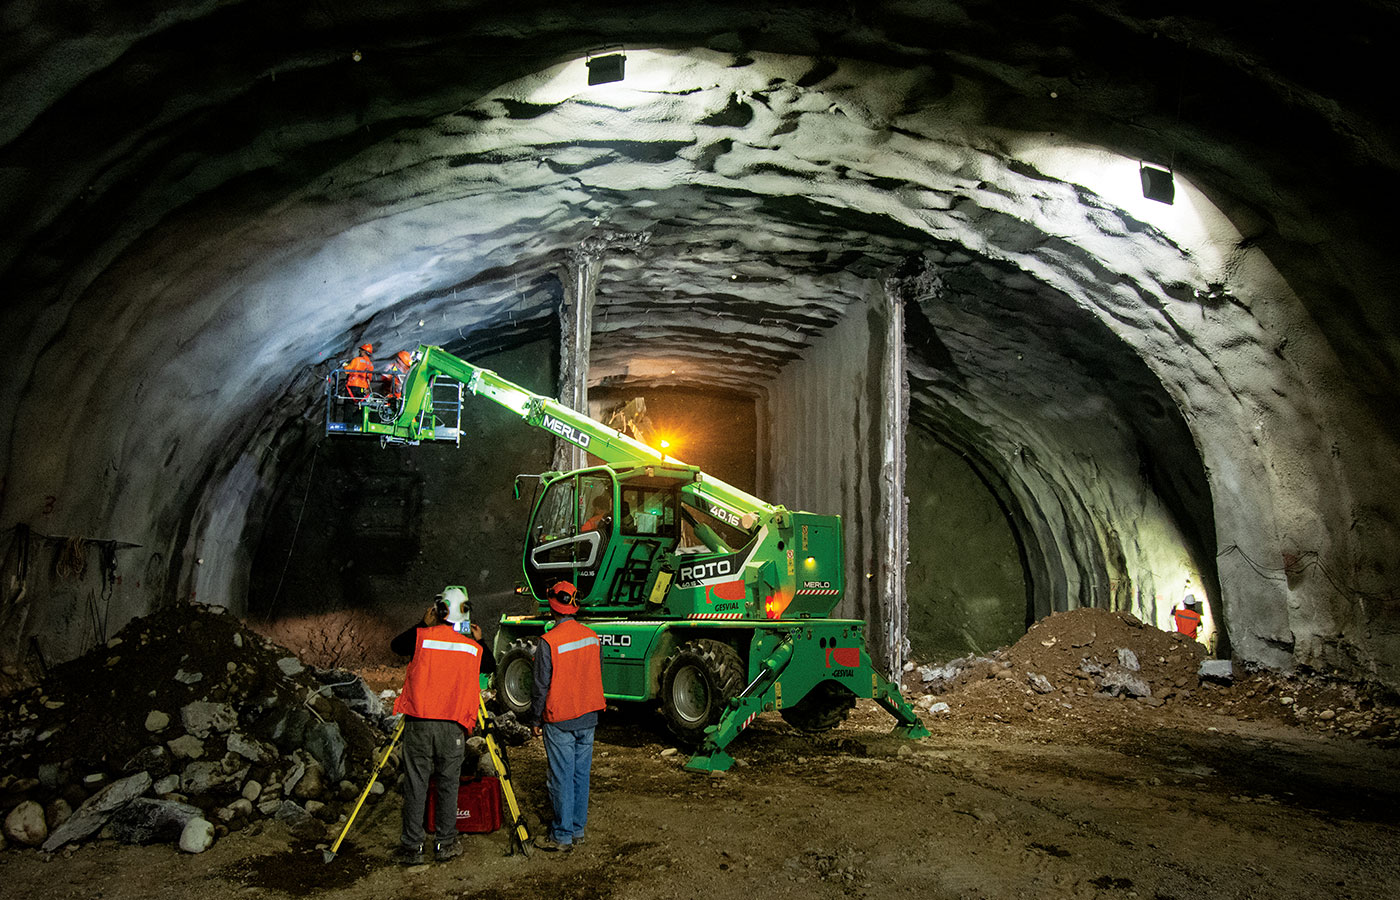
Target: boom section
[{"x": 415, "y": 422}]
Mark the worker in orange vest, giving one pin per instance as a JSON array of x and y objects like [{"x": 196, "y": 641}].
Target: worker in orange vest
[
  {"x": 360, "y": 369},
  {"x": 394, "y": 374},
  {"x": 1188, "y": 615},
  {"x": 439, "y": 704},
  {"x": 567, "y": 697}
]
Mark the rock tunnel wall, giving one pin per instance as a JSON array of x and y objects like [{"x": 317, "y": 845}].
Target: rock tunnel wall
[{"x": 167, "y": 289}]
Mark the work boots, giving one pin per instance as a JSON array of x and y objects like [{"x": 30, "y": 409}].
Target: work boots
[
  {"x": 446, "y": 850},
  {"x": 406, "y": 855}
]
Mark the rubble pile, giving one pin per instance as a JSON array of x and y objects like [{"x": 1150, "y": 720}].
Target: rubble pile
[
  {"x": 1073, "y": 654},
  {"x": 182, "y": 728},
  {"x": 1069, "y": 660}
]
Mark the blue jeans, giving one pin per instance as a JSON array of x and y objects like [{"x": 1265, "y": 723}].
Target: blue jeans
[{"x": 570, "y": 756}]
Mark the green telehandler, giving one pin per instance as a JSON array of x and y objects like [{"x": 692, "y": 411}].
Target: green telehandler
[{"x": 704, "y": 597}]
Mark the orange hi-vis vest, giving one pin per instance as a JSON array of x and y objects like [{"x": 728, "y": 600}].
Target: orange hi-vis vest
[
  {"x": 576, "y": 685},
  {"x": 1187, "y": 621},
  {"x": 393, "y": 381},
  {"x": 444, "y": 677},
  {"x": 359, "y": 368}
]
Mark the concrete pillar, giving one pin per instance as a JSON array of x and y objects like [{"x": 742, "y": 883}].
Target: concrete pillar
[
  {"x": 582, "y": 266},
  {"x": 892, "y": 598}
]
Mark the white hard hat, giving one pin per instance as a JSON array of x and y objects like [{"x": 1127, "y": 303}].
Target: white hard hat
[{"x": 459, "y": 608}]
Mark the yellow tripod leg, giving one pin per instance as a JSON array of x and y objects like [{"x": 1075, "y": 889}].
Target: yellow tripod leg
[
  {"x": 521, "y": 833},
  {"x": 398, "y": 732}
]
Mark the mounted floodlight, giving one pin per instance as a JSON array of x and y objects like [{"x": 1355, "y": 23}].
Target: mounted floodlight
[
  {"x": 1157, "y": 184},
  {"x": 608, "y": 67}
]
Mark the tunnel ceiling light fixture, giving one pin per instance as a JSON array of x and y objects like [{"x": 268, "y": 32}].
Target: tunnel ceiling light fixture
[
  {"x": 605, "y": 65},
  {"x": 1157, "y": 184}
]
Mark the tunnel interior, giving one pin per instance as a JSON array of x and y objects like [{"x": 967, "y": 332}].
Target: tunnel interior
[{"x": 914, "y": 245}]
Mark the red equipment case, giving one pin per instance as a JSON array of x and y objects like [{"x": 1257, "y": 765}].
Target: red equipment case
[{"x": 478, "y": 805}]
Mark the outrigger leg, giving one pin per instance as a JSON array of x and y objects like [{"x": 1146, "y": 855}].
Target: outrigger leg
[
  {"x": 743, "y": 707},
  {"x": 888, "y": 696}
]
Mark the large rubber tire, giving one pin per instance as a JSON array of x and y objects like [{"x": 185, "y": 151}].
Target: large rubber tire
[
  {"x": 825, "y": 707},
  {"x": 696, "y": 685},
  {"x": 515, "y": 677}
]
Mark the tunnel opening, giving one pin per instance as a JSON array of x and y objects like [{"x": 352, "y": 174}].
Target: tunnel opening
[{"x": 967, "y": 591}]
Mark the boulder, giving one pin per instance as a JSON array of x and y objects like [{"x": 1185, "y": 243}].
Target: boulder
[
  {"x": 312, "y": 783},
  {"x": 248, "y": 749},
  {"x": 57, "y": 812},
  {"x": 96, "y": 809},
  {"x": 197, "y": 836},
  {"x": 1221, "y": 671},
  {"x": 351, "y": 690},
  {"x": 148, "y": 821},
  {"x": 298, "y": 821},
  {"x": 186, "y": 747},
  {"x": 327, "y": 746},
  {"x": 155, "y": 759},
  {"x": 1118, "y": 682},
  {"x": 203, "y": 777},
  {"x": 25, "y": 824},
  {"x": 203, "y": 718}
]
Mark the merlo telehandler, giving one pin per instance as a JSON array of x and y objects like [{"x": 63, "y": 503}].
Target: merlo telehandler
[{"x": 705, "y": 598}]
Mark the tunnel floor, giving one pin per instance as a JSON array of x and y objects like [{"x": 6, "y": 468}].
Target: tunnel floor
[{"x": 1128, "y": 800}]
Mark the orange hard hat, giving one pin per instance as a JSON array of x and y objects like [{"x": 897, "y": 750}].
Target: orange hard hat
[
  {"x": 404, "y": 357},
  {"x": 563, "y": 598},
  {"x": 368, "y": 348}
]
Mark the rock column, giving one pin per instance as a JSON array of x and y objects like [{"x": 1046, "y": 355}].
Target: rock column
[
  {"x": 582, "y": 266},
  {"x": 891, "y": 605}
]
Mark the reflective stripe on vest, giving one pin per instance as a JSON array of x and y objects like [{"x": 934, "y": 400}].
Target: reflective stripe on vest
[
  {"x": 576, "y": 684},
  {"x": 443, "y": 679}
]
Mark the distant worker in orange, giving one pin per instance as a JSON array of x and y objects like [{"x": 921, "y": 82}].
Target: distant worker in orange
[
  {"x": 394, "y": 374},
  {"x": 1188, "y": 615},
  {"x": 360, "y": 369}
]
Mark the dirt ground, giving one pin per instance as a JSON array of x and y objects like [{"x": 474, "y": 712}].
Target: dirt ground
[{"x": 1202, "y": 790}]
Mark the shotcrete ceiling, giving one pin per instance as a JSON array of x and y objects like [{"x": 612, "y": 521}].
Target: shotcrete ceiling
[{"x": 207, "y": 206}]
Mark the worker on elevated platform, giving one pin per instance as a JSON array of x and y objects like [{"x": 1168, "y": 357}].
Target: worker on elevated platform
[
  {"x": 360, "y": 369},
  {"x": 394, "y": 374}
]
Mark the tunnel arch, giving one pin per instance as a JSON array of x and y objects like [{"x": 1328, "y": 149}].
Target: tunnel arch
[{"x": 925, "y": 159}]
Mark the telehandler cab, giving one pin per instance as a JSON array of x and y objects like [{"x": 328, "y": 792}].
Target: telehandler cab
[{"x": 704, "y": 597}]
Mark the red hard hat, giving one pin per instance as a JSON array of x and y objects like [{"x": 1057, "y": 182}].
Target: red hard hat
[
  {"x": 563, "y": 598},
  {"x": 368, "y": 348}
]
